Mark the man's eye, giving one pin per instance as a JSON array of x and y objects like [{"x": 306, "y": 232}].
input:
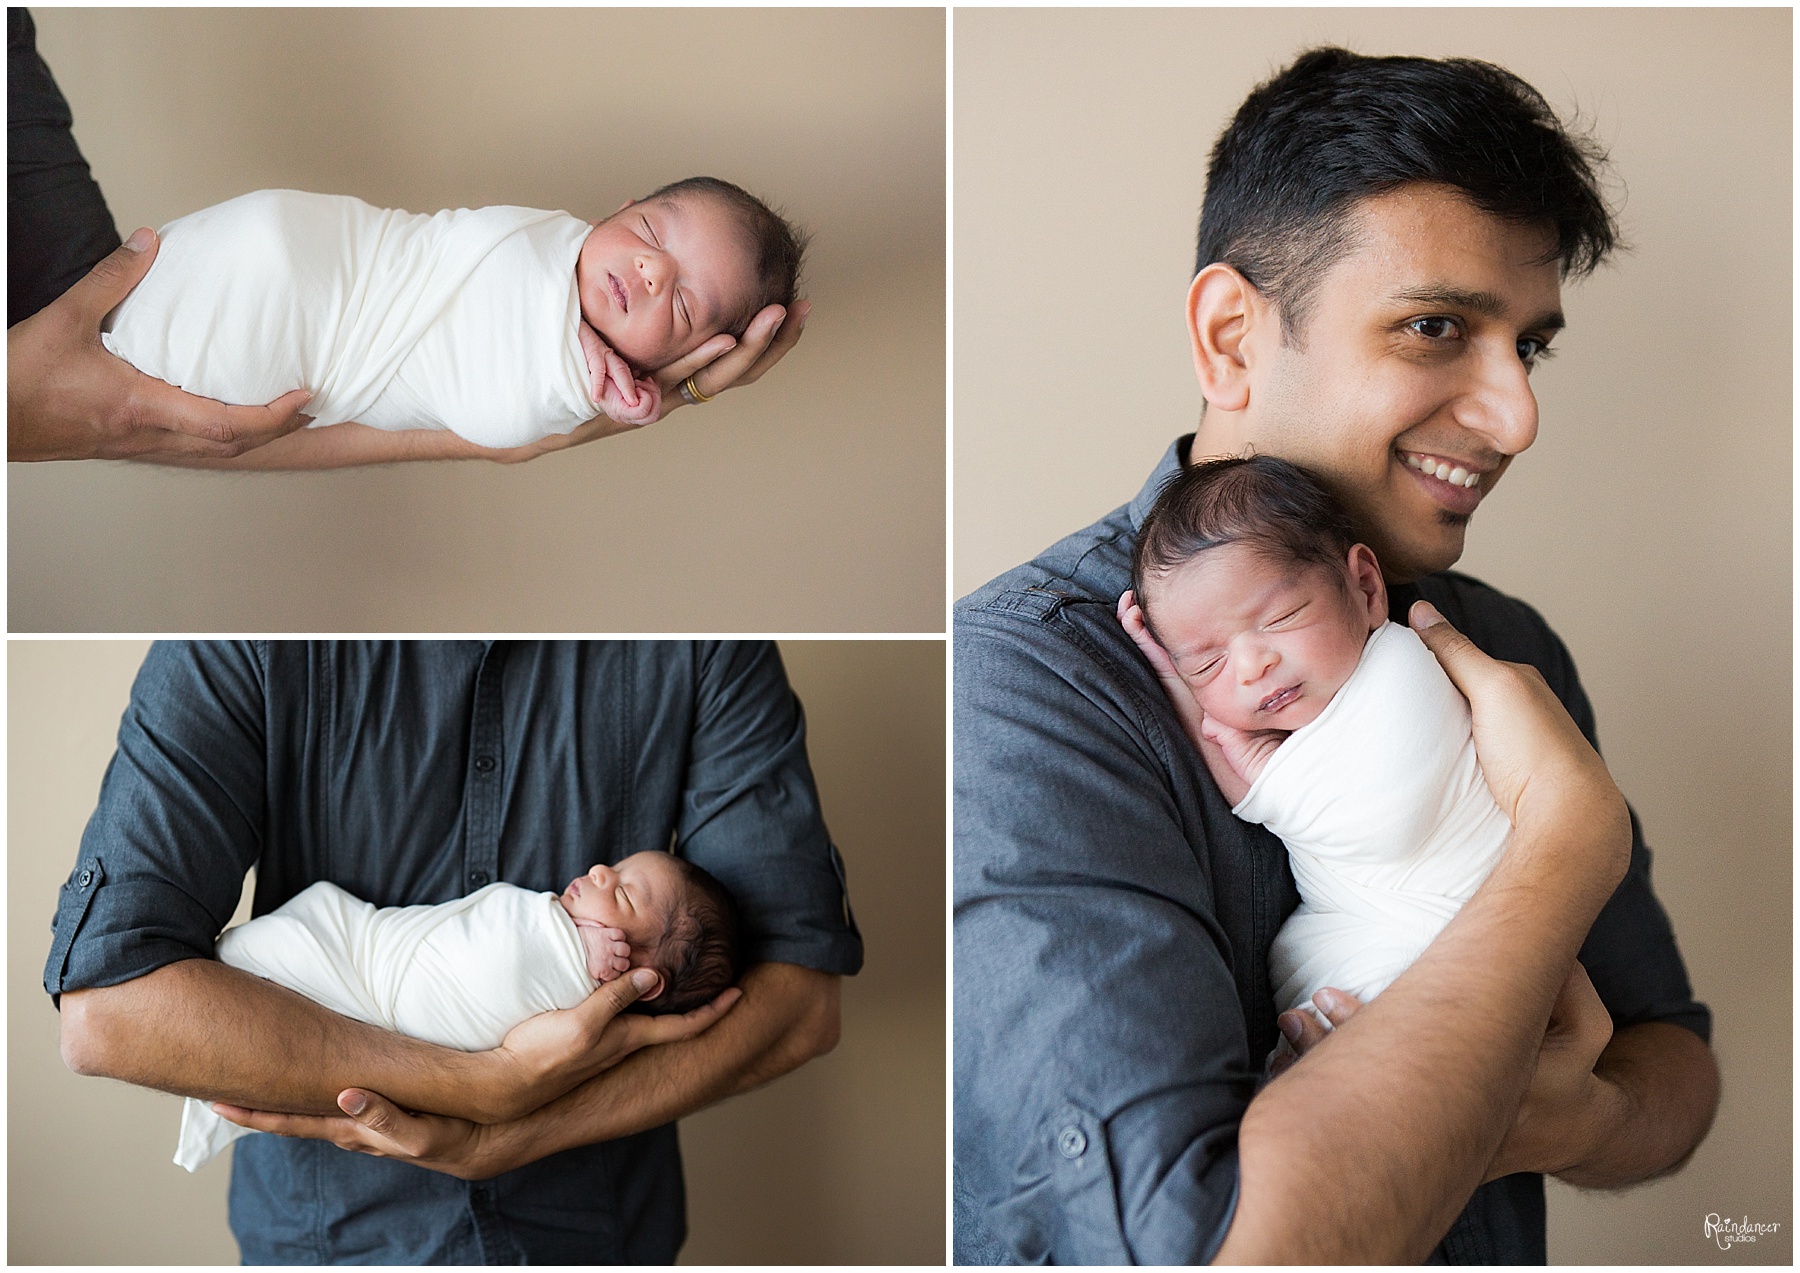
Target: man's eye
[
  {"x": 1436, "y": 328},
  {"x": 1532, "y": 351}
]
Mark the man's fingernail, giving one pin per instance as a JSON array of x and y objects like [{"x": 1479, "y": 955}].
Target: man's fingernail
[
  {"x": 643, "y": 979},
  {"x": 1290, "y": 1026},
  {"x": 356, "y": 1104},
  {"x": 1424, "y": 615},
  {"x": 139, "y": 240}
]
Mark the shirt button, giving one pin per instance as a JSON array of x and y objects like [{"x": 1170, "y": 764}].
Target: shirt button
[
  {"x": 1071, "y": 1142},
  {"x": 478, "y": 878},
  {"x": 484, "y": 764},
  {"x": 84, "y": 879}
]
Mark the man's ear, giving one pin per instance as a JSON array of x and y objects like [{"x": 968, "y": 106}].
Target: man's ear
[
  {"x": 1224, "y": 310},
  {"x": 1367, "y": 583}
]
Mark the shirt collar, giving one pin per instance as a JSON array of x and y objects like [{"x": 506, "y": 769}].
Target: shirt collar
[{"x": 1172, "y": 462}]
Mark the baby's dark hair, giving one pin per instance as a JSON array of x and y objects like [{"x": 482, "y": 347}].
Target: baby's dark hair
[
  {"x": 699, "y": 954},
  {"x": 778, "y": 244},
  {"x": 1278, "y": 509}
]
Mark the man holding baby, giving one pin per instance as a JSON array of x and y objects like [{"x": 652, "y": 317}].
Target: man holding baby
[
  {"x": 1382, "y": 247},
  {"x": 415, "y": 773}
]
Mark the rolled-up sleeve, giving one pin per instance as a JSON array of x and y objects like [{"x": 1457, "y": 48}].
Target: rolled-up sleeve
[
  {"x": 1101, "y": 1060},
  {"x": 750, "y": 813},
  {"x": 178, "y": 824}
]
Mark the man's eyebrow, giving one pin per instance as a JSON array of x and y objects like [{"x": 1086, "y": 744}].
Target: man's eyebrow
[{"x": 1487, "y": 304}]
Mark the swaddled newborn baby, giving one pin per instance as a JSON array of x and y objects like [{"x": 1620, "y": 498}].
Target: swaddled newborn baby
[
  {"x": 1356, "y": 745},
  {"x": 464, "y": 973},
  {"x": 502, "y": 324}
]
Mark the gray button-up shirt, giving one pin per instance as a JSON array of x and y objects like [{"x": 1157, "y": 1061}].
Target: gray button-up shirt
[
  {"x": 1113, "y": 922},
  {"x": 414, "y": 772}
]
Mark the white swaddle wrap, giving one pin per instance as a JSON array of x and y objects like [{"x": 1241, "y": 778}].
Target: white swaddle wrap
[
  {"x": 1388, "y": 823},
  {"x": 464, "y": 320},
  {"x": 460, "y": 974}
]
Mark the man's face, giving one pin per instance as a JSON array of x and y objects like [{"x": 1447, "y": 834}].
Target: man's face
[
  {"x": 657, "y": 279},
  {"x": 1410, "y": 379},
  {"x": 636, "y": 897},
  {"x": 1262, "y": 644}
]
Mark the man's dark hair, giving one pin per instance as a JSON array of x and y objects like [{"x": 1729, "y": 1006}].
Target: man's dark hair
[
  {"x": 1278, "y": 509},
  {"x": 778, "y": 245},
  {"x": 1337, "y": 127},
  {"x": 699, "y": 954}
]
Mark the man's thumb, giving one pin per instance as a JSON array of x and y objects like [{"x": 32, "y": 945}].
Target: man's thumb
[
  {"x": 1454, "y": 651},
  {"x": 111, "y": 281},
  {"x": 627, "y": 990}
]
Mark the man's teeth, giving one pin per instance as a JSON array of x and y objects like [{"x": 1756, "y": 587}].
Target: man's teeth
[{"x": 1456, "y": 476}]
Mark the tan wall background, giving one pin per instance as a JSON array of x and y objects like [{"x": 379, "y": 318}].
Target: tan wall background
[
  {"x": 813, "y": 501},
  {"x": 1650, "y": 524},
  {"x": 840, "y": 1162}
]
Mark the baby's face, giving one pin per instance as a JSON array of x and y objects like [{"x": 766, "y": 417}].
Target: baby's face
[
  {"x": 1263, "y": 644},
  {"x": 636, "y": 896},
  {"x": 658, "y": 279}
]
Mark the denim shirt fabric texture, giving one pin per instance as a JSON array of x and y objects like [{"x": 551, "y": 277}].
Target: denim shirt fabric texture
[
  {"x": 1113, "y": 922},
  {"x": 417, "y": 772}
]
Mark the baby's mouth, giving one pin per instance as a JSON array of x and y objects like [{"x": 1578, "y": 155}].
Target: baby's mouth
[
  {"x": 1279, "y": 699},
  {"x": 618, "y": 290}
]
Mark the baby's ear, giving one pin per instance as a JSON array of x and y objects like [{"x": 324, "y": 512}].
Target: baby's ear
[{"x": 624, "y": 206}]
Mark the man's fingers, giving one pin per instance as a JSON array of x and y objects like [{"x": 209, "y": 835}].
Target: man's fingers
[
  {"x": 200, "y": 426},
  {"x": 684, "y": 367},
  {"x": 1337, "y": 1006},
  {"x": 688, "y": 1024},
  {"x": 112, "y": 279},
  {"x": 376, "y": 1113}
]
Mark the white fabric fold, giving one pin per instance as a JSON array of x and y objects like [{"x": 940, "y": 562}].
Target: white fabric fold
[
  {"x": 460, "y": 974},
  {"x": 464, "y": 320},
  {"x": 1388, "y": 823}
]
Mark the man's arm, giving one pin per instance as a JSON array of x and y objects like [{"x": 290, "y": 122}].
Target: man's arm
[
  {"x": 788, "y": 1016},
  {"x": 200, "y": 1028},
  {"x": 1427, "y": 1081}
]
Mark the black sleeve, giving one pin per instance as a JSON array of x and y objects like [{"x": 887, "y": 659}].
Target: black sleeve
[
  {"x": 57, "y": 223},
  {"x": 179, "y": 823},
  {"x": 1630, "y": 953}
]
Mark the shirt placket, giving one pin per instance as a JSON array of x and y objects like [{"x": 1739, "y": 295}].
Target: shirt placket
[{"x": 487, "y": 765}]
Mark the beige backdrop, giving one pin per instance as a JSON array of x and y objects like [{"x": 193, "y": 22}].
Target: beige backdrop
[
  {"x": 1650, "y": 524},
  {"x": 813, "y": 501},
  {"x": 840, "y": 1162}
]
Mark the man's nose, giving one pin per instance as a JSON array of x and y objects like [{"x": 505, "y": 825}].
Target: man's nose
[{"x": 1500, "y": 404}]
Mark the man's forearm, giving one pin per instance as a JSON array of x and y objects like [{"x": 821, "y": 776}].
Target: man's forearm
[
  {"x": 1664, "y": 1086},
  {"x": 1419, "y": 1088},
  {"x": 346, "y": 446},
  {"x": 788, "y": 1015},
  {"x": 201, "y": 1028}
]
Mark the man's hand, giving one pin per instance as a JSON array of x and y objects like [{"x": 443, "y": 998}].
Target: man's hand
[
  {"x": 68, "y": 398},
  {"x": 1564, "y": 1108},
  {"x": 1536, "y": 762},
  {"x": 372, "y": 1124},
  {"x": 723, "y": 363},
  {"x": 550, "y": 1054}
]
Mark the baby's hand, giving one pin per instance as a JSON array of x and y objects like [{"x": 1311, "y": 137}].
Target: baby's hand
[
  {"x": 622, "y": 396},
  {"x": 1246, "y": 752},
  {"x": 608, "y": 953}
]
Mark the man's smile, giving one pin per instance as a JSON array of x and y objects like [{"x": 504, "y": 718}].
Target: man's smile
[{"x": 1454, "y": 485}]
